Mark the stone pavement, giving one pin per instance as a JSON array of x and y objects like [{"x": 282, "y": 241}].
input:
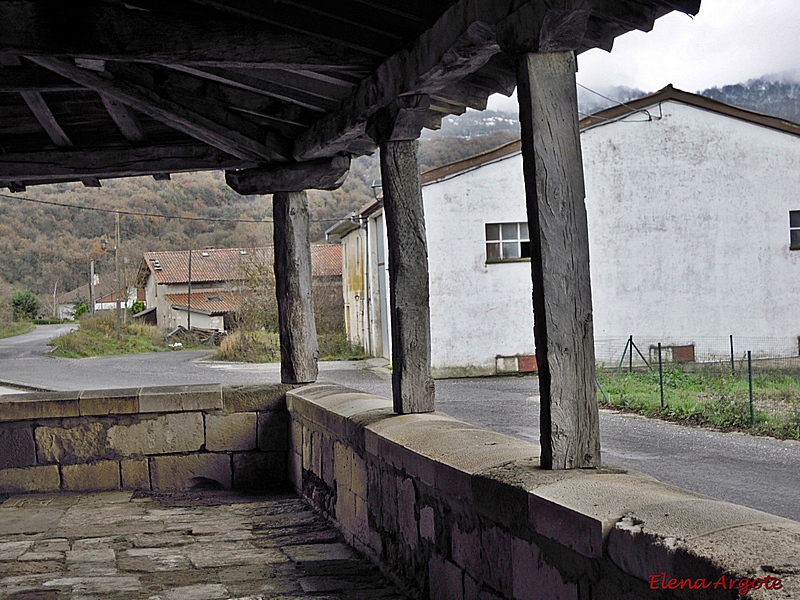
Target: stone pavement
[{"x": 200, "y": 545}]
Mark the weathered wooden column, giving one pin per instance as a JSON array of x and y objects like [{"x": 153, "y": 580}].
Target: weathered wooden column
[
  {"x": 409, "y": 295},
  {"x": 562, "y": 298},
  {"x": 298, "y": 332}
]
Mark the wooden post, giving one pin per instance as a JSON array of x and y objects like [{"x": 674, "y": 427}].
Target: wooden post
[
  {"x": 562, "y": 299},
  {"x": 298, "y": 332},
  {"x": 409, "y": 295}
]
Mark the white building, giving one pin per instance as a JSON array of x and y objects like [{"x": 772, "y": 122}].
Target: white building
[{"x": 694, "y": 234}]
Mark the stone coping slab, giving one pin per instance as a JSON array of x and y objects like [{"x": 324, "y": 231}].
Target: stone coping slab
[{"x": 126, "y": 401}]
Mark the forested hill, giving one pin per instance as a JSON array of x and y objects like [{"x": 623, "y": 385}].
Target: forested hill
[{"x": 45, "y": 247}]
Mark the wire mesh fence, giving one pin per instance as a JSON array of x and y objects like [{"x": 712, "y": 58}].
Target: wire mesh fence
[{"x": 744, "y": 383}]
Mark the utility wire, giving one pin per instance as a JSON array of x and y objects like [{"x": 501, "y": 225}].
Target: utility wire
[
  {"x": 149, "y": 214},
  {"x": 618, "y": 103}
]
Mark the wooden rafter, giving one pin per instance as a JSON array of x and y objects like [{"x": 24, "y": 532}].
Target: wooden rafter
[
  {"x": 54, "y": 165},
  {"x": 127, "y": 122},
  {"x": 190, "y": 122},
  {"x": 42, "y": 112}
]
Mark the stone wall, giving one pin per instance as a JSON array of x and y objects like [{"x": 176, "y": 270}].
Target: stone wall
[
  {"x": 157, "y": 438},
  {"x": 459, "y": 512}
]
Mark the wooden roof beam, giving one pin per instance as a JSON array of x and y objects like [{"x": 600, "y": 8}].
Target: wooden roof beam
[
  {"x": 43, "y": 114},
  {"x": 54, "y": 166},
  {"x": 216, "y": 131},
  {"x": 127, "y": 122},
  {"x": 113, "y": 32},
  {"x": 323, "y": 174}
]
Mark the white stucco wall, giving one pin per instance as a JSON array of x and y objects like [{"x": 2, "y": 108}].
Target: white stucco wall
[
  {"x": 478, "y": 310},
  {"x": 689, "y": 230}
]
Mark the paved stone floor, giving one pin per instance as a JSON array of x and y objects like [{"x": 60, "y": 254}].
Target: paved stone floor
[{"x": 203, "y": 545}]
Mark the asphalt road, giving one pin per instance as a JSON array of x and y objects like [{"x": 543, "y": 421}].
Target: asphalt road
[{"x": 758, "y": 472}]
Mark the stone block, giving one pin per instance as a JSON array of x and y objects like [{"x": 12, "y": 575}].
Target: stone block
[
  {"x": 465, "y": 548},
  {"x": 346, "y": 510},
  {"x": 342, "y": 467},
  {"x": 296, "y": 437},
  {"x": 327, "y": 459},
  {"x": 358, "y": 482},
  {"x": 259, "y": 470},
  {"x": 255, "y": 397},
  {"x": 495, "y": 550},
  {"x": 190, "y": 471},
  {"x": 135, "y": 474},
  {"x": 77, "y": 441},
  {"x": 236, "y": 431},
  {"x": 17, "y": 448},
  {"x": 164, "y": 434},
  {"x": 273, "y": 431},
  {"x": 533, "y": 578},
  {"x": 427, "y": 523},
  {"x": 180, "y": 398},
  {"x": 109, "y": 402},
  {"x": 102, "y": 475},
  {"x": 445, "y": 579},
  {"x": 295, "y": 467},
  {"x": 39, "y": 405},
  {"x": 406, "y": 511},
  {"x": 307, "y": 434},
  {"x": 316, "y": 453}
]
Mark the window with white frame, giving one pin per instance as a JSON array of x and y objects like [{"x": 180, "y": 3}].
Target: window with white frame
[
  {"x": 507, "y": 242},
  {"x": 794, "y": 230}
]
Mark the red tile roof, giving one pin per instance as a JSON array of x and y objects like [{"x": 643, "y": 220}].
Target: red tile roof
[
  {"x": 228, "y": 264},
  {"x": 213, "y": 303}
]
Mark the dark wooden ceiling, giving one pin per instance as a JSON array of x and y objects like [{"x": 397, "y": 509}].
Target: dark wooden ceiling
[{"x": 278, "y": 89}]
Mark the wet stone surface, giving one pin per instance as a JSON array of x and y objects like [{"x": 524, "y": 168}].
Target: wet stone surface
[{"x": 204, "y": 545}]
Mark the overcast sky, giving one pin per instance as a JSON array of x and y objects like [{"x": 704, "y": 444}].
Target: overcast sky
[{"x": 728, "y": 42}]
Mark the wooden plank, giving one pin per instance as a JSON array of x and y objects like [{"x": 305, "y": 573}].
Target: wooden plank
[
  {"x": 52, "y": 166},
  {"x": 562, "y": 298},
  {"x": 200, "y": 127},
  {"x": 409, "y": 295},
  {"x": 298, "y": 332},
  {"x": 107, "y": 31},
  {"x": 42, "y": 112},
  {"x": 127, "y": 122},
  {"x": 322, "y": 174}
]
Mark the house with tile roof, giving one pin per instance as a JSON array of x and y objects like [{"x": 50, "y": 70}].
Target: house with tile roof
[
  {"x": 212, "y": 284},
  {"x": 105, "y": 297},
  {"x": 694, "y": 235}
]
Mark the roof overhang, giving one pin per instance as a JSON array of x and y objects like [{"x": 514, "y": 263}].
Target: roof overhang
[{"x": 281, "y": 96}]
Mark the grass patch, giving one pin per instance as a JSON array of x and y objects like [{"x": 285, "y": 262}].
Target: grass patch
[
  {"x": 249, "y": 346},
  {"x": 97, "y": 336},
  {"x": 13, "y": 328},
  {"x": 711, "y": 398}
]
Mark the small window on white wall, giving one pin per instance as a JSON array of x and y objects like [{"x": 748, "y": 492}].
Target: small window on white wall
[
  {"x": 794, "y": 230},
  {"x": 507, "y": 242}
]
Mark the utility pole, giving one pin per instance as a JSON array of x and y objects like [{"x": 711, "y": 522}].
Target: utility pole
[
  {"x": 91, "y": 286},
  {"x": 116, "y": 267},
  {"x": 189, "y": 296}
]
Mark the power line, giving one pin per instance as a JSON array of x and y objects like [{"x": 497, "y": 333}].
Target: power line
[
  {"x": 618, "y": 103},
  {"x": 149, "y": 214}
]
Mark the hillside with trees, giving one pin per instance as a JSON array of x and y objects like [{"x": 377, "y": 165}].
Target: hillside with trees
[{"x": 47, "y": 248}]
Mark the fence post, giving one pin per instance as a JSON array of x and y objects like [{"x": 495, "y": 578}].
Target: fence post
[
  {"x": 630, "y": 356},
  {"x": 733, "y": 367},
  {"x": 660, "y": 375},
  {"x": 750, "y": 385},
  {"x": 622, "y": 358}
]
